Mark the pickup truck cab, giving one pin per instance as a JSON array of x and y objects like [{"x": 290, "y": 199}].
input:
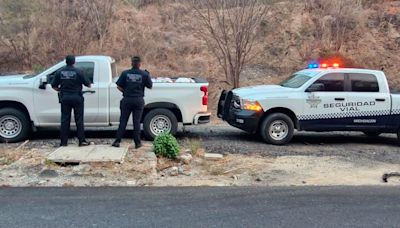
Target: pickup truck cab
[
  {"x": 317, "y": 99},
  {"x": 28, "y": 103}
]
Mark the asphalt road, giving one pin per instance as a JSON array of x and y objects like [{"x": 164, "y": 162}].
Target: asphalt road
[{"x": 200, "y": 207}]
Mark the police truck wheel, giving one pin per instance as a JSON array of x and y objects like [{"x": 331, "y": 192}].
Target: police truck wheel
[
  {"x": 372, "y": 133},
  {"x": 398, "y": 137},
  {"x": 277, "y": 129},
  {"x": 14, "y": 125},
  {"x": 158, "y": 121}
]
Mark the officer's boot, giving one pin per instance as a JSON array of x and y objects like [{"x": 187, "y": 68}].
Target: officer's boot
[
  {"x": 84, "y": 143},
  {"x": 116, "y": 143}
]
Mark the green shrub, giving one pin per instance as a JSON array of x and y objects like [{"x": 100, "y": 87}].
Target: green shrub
[{"x": 166, "y": 145}]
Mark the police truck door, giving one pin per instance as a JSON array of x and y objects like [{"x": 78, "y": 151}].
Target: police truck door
[
  {"x": 323, "y": 104},
  {"x": 46, "y": 102},
  {"x": 369, "y": 103}
]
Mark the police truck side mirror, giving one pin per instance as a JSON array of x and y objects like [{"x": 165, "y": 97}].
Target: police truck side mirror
[
  {"x": 43, "y": 82},
  {"x": 316, "y": 87}
]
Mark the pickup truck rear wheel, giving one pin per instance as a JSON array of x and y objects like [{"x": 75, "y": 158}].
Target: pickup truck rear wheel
[
  {"x": 277, "y": 129},
  {"x": 14, "y": 125},
  {"x": 158, "y": 121}
]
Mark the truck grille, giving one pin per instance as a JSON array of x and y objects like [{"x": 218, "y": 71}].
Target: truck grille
[{"x": 227, "y": 105}]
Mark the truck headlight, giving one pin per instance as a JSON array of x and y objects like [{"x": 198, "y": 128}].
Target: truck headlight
[{"x": 251, "y": 105}]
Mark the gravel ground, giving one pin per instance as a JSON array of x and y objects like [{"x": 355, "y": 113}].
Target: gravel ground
[{"x": 222, "y": 138}]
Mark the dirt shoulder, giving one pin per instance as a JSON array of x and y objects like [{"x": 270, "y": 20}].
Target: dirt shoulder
[
  {"x": 29, "y": 167},
  {"x": 244, "y": 170}
]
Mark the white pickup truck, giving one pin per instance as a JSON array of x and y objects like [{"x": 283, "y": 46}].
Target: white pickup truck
[
  {"x": 28, "y": 104},
  {"x": 317, "y": 99}
]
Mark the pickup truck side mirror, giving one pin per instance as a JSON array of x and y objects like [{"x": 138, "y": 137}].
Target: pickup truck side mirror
[
  {"x": 316, "y": 87},
  {"x": 43, "y": 82}
]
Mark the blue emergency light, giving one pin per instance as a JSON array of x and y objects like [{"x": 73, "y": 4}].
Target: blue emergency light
[{"x": 322, "y": 65}]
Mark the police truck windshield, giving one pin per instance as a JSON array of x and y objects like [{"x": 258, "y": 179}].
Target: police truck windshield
[{"x": 295, "y": 81}]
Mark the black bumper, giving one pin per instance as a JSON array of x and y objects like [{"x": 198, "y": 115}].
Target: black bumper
[{"x": 243, "y": 119}]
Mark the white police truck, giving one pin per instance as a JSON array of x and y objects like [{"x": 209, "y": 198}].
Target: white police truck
[{"x": 321, "y": 98}]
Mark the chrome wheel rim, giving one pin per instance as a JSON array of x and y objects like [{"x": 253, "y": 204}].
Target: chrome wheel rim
[
  {"x": 10, "y": 127},
  {"x": 278, "y": 130},
  {"x": 160, "y": 124}
]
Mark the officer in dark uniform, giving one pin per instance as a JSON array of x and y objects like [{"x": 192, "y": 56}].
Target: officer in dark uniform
[
  {"x": 68, "y": 82},
  {"x": 132, "y": 84}
]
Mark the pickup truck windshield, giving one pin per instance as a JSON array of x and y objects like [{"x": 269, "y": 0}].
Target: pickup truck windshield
[{"x": 295, "y": 81}]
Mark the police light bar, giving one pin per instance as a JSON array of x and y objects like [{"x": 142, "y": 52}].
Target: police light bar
[{"x": 322, "y": 65}]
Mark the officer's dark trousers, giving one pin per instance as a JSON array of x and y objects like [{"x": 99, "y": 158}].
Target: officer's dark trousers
[
  {"x": 134, "y": 105},
  {"x": 69, "y": 102}
]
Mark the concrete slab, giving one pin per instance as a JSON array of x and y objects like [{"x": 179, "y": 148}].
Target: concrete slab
[
  {"x": 212, "y": 156},
  {"x": 94, "y": 153}
]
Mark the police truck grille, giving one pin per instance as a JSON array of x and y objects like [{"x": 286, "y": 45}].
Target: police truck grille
[{"x": 235, "y": 99}]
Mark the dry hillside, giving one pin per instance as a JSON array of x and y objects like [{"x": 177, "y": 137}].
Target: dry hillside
[{"x": 36, "y": 34}]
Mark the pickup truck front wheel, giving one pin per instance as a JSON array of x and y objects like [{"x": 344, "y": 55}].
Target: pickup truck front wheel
[
  {"x": 158, "y": 121},
  {"x": 277, "y": 129},
  {"x": 14, "y": 125}
]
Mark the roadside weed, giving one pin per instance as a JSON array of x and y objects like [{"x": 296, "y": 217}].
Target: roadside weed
[
  {"x": 194, "y": 146},
  {"x": 166, "y": 145},
  {"x": 50, "y": 163}
]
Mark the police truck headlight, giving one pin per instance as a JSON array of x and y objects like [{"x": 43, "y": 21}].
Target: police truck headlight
[{"x": 251, "y": 105}]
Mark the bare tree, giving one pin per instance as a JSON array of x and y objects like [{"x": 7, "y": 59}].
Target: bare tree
[
  {"x": 101, "y": 13},
  {"x": 229, "y": 28}
]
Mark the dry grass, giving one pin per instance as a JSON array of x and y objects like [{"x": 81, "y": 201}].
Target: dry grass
[
  {"x": 194, "y": 145},
  {"x": 165, "y": 163},
  {"x": 10, "y": 155}
]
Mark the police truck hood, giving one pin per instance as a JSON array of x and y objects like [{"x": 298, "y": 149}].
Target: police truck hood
[
  {"x": 12, "y": 79},
  {"x": 253, "y": 91}
]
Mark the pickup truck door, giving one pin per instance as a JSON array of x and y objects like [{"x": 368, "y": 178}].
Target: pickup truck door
[
  {"x": 47, "y": 107},
  {"x": 323, "y": 104},
  {"x": 371, "y": 105}
]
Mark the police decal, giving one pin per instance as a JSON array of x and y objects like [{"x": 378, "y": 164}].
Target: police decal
[
  {"x": 313, "y": 101},
  {"x": 365, "y": 121},
  {"x": 134, "y": 78},
  {"x": 350, "y": 106},
  {"x": 68, "y": 75}
]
